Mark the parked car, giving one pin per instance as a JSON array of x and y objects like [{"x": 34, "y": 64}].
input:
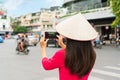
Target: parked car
[
  {"x": 33, "y": 40},
  {"x": 1, "y": 40},
  {"x": 2, "y": 35}
]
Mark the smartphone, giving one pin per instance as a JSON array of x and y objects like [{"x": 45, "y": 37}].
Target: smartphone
[{"x": 50, "y": 35}]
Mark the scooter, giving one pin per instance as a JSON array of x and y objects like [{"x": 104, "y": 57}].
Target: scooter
[
  {"x": 26, "y": 51},
  {"x": 98, "y": 44}
]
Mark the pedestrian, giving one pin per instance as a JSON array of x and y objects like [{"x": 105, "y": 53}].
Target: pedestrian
[
  {"x": 77, "y": 57},
  {"x": 26, "y": 40},
  {"x": 110, "y": 38},
  {"x": 18, "y": 43}
]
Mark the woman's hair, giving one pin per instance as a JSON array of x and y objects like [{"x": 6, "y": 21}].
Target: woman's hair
[{"x": 80, "y": 57}]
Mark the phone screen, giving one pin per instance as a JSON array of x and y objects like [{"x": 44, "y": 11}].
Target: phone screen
[{"x": 51, "y": 35}]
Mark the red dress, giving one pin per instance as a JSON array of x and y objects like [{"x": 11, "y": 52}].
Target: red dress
[{"x": 57, "y": 61}]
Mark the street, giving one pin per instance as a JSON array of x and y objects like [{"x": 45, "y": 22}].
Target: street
[{"x": 28, "y": 67}]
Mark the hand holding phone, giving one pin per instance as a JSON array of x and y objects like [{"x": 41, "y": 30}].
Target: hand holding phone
[{"x": 43, "y": 42}]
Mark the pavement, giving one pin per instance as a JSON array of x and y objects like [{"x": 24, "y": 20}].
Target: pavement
[{"x": 28, "y": 67}]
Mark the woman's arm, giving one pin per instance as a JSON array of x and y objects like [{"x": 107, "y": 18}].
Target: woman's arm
[{"x": 53, "y": 62}]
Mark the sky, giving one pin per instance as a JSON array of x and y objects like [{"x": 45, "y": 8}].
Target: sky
[{"x": 16, "y": 8}]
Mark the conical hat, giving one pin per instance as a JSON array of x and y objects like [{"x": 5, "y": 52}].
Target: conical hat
[{"x": 77, "y": 28}]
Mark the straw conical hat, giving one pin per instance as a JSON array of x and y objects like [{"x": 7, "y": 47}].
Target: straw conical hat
[{"x": 76, "y": 28}]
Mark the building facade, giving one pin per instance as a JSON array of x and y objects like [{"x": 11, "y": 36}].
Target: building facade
[
  {"x": 80, "y": 5},
  {"x": 31, "y": 21},
  {"x": 45, "y": 19},
  {"x": 97, "y": 12},
  {"x": 5, "y": 21}
]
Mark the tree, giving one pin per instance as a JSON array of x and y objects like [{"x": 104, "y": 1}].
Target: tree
[
  {"x": 115, "y": 5},
  {"x": 19, "y": 29}
]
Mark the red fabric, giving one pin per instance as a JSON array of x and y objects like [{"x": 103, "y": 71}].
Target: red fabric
[{"x": 57, "y": 61}]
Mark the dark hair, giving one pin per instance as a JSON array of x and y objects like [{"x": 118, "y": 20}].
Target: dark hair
[
  {"x": 22, "y": 40},
  {"x": 80, "y": 57},
  {"x": 26, "y": 35}
]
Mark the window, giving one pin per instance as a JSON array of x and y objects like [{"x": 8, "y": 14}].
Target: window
[
  {"x": 3, "y": 27},
  {"x": 33, "y": 14},
  {"x": 43, "y": 26},
  {"x": 4, "y": 17}
]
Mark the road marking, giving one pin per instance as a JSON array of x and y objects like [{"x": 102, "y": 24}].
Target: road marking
[
  {"x": 114, "y": 68},
  {"x": 94, "y": 78},
  {"x": 106, "y": 73}
]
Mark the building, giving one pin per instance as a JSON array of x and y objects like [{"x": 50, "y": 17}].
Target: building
[
  {"x": 31, "y": 21},
  {"x": 45, "y": 19},
  {"x": 97, "y": 12},
  {"x": 80, "y": 5},
  {"x": 49, "y": 17},
  {"x": 5, "y": 20}
]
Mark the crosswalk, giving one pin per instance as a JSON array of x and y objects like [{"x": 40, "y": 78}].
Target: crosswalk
[
  {"x": 106, "y": 73},
  {"x": 112, "y": 67}
]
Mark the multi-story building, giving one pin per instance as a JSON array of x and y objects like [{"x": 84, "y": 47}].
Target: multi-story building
[
  {"x": 5, "y": 20},
  {"x": 43, "y": 20},
  {"x": 30, "y": 21},
  {"x": 80, "y": 5},
  {"x": 47, "y": 18},
  {"x": 97, "y": 12}
]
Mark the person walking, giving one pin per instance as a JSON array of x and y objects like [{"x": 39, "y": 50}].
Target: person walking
[{"x": 77, "y": 57}]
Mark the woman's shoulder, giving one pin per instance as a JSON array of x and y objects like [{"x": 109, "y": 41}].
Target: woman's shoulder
[{"x": 61, "y": 51}]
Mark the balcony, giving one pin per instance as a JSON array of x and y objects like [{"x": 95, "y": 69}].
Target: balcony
[
  {"x": 76, "y": 7},
  {"x": 98, "y": 13}
]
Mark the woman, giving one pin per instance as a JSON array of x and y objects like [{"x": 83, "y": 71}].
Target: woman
[
  {"x": 76, "y": 60},
  {"x": 26, "y": 40}
]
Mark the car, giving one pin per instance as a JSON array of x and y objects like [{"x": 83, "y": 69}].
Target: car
[
  {"x": 33, "y": 40},
  {"x": 1, "y": 40},
  {"x": 2, "y": 35}
]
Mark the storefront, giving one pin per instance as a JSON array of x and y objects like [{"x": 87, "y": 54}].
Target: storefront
[{"x": 103, "y": 26}]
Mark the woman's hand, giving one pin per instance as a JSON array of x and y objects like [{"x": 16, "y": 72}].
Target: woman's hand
[
  {"x": 60, "y": 41},
  {"x": 43, "y": 42}
]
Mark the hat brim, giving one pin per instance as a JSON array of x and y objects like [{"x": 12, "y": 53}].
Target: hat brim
[{"x": 77, "y": 28}]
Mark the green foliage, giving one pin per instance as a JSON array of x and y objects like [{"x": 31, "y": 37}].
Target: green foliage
[
  {"x": 116, "y": 11},
  {"x": 20, "y": 29},
  {"x": 67, "y": 15}
]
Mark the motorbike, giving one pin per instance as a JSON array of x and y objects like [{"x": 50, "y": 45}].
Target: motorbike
[
  {"x": 26, "y": 51},
  {"x": 98, "y": 44}
]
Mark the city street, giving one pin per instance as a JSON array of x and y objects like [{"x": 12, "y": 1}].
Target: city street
[{"x": 28, "y": 67}]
